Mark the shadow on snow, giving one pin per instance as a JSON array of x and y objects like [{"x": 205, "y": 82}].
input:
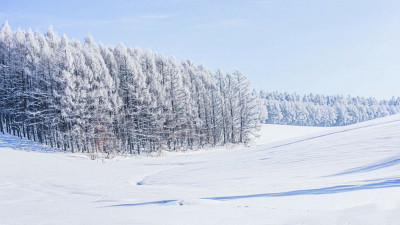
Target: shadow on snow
[
  {"x": 16, "y": 143},
  {"x": 318, "y": 191},
  {"x": 143, "y": 203},
  {"x": 392, "y": 161},
  {"x": 331, "y": 133}
]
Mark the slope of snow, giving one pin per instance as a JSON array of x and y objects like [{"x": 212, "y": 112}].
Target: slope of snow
[
  {"x": 342, "y": 175},
  {"x": 270, "y": 133}
]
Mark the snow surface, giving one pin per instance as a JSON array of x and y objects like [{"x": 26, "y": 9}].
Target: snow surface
[
  {"x": 270, "y": 133},
  {"x": 342, "y": 175}
]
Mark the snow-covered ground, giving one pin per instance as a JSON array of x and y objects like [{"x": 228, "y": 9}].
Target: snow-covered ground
[
  {"x": 270, "y": 133},
  {"x": 291, "y": 175}
]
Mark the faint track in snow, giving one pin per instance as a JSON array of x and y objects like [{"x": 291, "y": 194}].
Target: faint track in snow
[{"x": 126, "y": 182}]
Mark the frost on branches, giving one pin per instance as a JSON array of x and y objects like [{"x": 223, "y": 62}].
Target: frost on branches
[{"x": 94, "y": 98}]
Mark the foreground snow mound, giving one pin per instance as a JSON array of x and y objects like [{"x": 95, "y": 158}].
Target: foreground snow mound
[{"x": 342, "y": 175}]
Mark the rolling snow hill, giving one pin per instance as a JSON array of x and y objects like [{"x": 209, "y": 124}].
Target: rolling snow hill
[{"x": 292, "y": 175}]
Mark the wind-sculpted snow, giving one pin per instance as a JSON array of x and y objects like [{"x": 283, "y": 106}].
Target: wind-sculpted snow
[{"x": 341, "y": 175}]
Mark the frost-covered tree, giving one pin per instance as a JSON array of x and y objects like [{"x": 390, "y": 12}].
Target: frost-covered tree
[
  {"x": 95, "y": 98},
  {"x": 248, "y": 111}
]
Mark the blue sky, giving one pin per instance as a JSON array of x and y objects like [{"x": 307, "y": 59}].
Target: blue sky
[{"x": 327, "y": 47}]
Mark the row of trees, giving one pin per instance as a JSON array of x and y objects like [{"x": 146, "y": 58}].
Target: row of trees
[
  {"x": 94, "y": 98},
  {"x": 320, "y": 110}
]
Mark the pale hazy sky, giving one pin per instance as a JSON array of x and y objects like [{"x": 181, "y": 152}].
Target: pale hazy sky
[{"x": 320, "y": 46}]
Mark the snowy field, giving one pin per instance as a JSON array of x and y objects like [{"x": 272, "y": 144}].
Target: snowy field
[{"x": 291, "y": 175}]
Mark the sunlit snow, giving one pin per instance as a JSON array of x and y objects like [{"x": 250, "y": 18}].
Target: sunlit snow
[{"x": 291, "y": 175}]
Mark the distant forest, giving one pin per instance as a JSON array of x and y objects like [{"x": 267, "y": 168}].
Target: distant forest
[
  {"x": 88, "y": 97},
  {"x": 320, "y": 110}
]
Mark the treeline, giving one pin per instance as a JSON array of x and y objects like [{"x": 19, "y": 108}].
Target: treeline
[
  {"x": 320, "y": 110},
  {"x": 94, "y": 98}
]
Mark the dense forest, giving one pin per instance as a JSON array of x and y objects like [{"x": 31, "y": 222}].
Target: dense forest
[
  {"x": 88, "y": 97},
  {"x": 320, "y": 110}
]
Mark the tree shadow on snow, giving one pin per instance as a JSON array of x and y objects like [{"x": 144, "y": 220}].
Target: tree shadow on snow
[
  {"x": 16, "y": 143},
  {"x": 317, "y": 191},
  {"x": 392, "y": 161},
  {"x": 143, "y": 203}
]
